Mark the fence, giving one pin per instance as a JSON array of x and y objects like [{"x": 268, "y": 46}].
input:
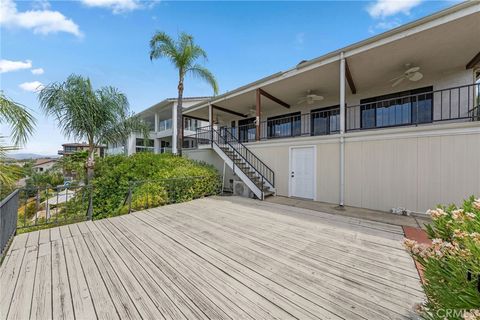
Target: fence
[
  {"x": 8, "y": 220},
  {"x": 33, "y": 208}
]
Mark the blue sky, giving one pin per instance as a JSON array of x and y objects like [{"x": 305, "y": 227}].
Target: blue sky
[{"x": 107, "y": 40}]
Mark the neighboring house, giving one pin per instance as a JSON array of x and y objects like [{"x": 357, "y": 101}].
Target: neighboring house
[
  {"x": 163, "y": 133},
  {"x": 71, "y": 148},
  {"x": 344, "y": 129},
  {"x": 42, "y": 165}
]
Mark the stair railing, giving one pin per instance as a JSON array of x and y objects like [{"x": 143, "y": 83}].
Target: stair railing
[{"x": 225, "y": 138}]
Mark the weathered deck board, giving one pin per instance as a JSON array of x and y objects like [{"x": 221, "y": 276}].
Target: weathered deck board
[{"x": 215, "y": 258}]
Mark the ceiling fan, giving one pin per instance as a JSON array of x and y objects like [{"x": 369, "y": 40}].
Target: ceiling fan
[
  {"x": 310, "y": 98},
  {"x": 411, "y": 73}
]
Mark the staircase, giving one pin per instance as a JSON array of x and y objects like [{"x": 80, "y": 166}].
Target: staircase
[{"x": 259, "y": 178}]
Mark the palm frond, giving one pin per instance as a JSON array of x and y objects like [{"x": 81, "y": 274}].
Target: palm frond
[
  {"x": 205, "y": 74},
  {"x": 18, "y": 118},
  {"x": 163, "y": 46},
  {"x": 9, "y": 173}
]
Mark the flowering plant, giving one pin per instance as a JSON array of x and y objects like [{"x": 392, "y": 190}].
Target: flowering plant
[{"x": 451, "y": 264}]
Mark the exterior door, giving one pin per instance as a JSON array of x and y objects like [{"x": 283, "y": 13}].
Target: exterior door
[{"x": 302, "y": 172}]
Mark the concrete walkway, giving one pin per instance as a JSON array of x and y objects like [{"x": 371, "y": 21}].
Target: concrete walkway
[{"x": 367, "y": 214}]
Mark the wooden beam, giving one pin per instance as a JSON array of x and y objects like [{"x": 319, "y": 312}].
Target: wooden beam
[
  {"x": 229, "y": 111},
  {"x": 258, "y": 112},
  {"x": 474, "y": 62},
  {"x": 351, "y": 84},
  {"x": 195, "y": 118},
  {"x": 273, "y": 98}
]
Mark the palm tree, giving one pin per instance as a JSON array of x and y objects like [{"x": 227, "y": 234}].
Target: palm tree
[
  {"x": 183, "y": 53},
  {"x": 22, "y": 123},
  {"x": 82, "y": 113}
]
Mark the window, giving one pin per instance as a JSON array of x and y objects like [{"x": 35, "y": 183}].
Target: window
[
  {"x": 246, "y": 130},
  {"x": 286, "y": 125},
  {"x": 141, "y": 147},
  {"x": 401, "y": 108},
  {"x": 325, "y": 121}
]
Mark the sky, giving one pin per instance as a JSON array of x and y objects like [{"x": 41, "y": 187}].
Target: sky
[{"x": 107, "y": 41}]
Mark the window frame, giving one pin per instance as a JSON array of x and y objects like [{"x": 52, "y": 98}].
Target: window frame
[
  {"x": 294, "y": 117},
  {"x": 427, "y": 91},
  {"x": 329, "y": 111}
]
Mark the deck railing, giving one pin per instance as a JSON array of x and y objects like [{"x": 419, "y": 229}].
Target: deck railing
[
  {"x": 32, "y": 208},
  {"x": 452, "y": 104},
  {"x": 39, "y": 206},
  {"x": 8, "y": 220},
  {"x": 457, "y": 104}
]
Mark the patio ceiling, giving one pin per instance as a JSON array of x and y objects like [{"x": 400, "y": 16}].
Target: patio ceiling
[{"x": 436, "y": 50}]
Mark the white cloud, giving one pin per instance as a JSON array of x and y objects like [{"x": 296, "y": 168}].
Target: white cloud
[
  {"x": 384, "y": 25},
  {"x": 38, "y": 71},
  {"x": 9, "y": 65},
  {"x": 33, "y": 86},
  {"x": 386, "y": 8},
  {"x": 117, "y": 6},
  {"x": 42, "y": 21}
]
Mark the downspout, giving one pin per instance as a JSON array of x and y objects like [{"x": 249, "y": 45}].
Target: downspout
[{"x": 342, "y": 129}]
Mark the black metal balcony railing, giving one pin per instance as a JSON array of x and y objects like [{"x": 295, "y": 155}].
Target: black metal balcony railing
[
  {"x": 456, "y": 104},
  {"x": 453, "y": 104}
]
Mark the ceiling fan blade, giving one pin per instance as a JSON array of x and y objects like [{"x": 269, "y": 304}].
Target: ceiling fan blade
[
  {"x": 398, "y": 81},
  {"x": 415, "y": 76},
  {"x": 301, "y": 100},
  {"x": 412, "y": 70},
  {"x": 318, "y": 98},
  {"x": 396, "y": 78}
]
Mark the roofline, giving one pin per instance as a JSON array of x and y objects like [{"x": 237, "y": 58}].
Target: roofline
[
  {"x": 335, "y": 55},
  {"x": 167, "y": 101}
]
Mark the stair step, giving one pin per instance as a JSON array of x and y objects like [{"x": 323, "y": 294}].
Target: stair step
[{"x": 268, "y": 193}]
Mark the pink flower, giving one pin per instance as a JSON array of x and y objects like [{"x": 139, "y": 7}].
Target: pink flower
[
  {"x": 436, "y": 213},
  {"x": 476, "y": 204},
  {"x": 472, "y": 315}
]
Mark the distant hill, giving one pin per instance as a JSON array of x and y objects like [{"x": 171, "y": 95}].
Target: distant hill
[{"x": 26, "y": 156}]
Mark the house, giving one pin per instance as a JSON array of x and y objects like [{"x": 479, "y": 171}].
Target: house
[
  {"x": 42, "y": 165},
  {"x": 388, "y": 122},
  {"x": 71, "y": 148},
  {"x": 163, "y": 133}
]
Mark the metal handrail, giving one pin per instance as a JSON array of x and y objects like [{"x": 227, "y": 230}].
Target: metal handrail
[{"x": 259, "y": 167}]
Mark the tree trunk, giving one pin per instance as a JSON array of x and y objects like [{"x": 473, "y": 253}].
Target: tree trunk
[
  {"x": 180, "y": 117},
  {"x": 90, "y": 164}
]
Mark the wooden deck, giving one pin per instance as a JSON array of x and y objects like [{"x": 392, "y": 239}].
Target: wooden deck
[{"x": 222, "y": 258}]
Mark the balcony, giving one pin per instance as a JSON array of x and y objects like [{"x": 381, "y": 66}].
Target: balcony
[{"x": 457, "y": 104}]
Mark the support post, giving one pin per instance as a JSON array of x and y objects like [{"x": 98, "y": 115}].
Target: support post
[
  {"x": 210, "y": 122},
  {"x": 258, "y": 112},
  {"x": 342, "y": 129},
  {"x": 174, "y": 129},
  {"x": 156, "y": 121}
]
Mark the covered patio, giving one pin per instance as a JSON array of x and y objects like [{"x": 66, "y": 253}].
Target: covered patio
[
  {"x": 213, "y": 258},
  {"x": 367, "y": 85}
]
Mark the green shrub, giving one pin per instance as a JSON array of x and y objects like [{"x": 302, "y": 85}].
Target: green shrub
[
  {"x": 451, "y": 263},
  {"x": 153, "y": 180}
]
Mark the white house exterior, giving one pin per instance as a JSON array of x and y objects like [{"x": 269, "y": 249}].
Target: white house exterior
[
  {"x": 365, "y": 144},
  {"x": 163, "y": 132},
  {"x": 42, "y": 165}
]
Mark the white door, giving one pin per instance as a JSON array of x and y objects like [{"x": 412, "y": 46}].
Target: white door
[{"x": 302, "y": 172}]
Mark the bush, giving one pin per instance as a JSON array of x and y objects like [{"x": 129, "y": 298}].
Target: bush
[
  {"x": 452, "y": 263},
  {"x": 154, "y": 180}
]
